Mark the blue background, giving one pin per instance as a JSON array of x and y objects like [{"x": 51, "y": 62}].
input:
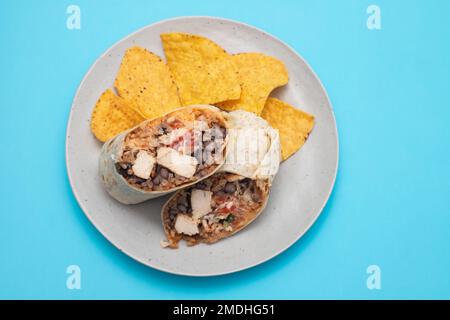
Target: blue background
[{"x": 390, "y": 207}]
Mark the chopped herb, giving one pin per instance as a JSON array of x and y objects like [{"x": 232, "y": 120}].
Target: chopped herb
[{"x": 230, "y": 218}]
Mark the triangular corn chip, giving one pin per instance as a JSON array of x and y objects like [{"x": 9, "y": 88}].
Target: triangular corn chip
[
  {"x": 203, "y": 71},
  {"x": 293, "y": 125}
]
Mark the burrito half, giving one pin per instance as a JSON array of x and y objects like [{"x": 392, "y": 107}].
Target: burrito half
[
  {"x": 164, "y": 154},
  {"x": 231, "y": 199}
]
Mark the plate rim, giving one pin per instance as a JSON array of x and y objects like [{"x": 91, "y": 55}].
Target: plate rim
[{"x": 234, "y": 270}]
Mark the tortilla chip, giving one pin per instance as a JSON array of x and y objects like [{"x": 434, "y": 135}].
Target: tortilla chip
[
  {"x": 293, "y": 125},
  {"x": 112, "y": 115},
  {"x": 203, "y": 71},
  {"x": 145, "y": 80},
  {"x": 259, "y": 75}
]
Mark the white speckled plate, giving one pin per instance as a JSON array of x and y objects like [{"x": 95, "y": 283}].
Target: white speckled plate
[{"x": 298, "y": 195}]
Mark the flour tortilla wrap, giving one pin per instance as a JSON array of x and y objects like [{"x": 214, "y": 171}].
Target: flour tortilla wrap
[
  {"x": 254, "y": 147},
  {"x": 231, "y": 199},
  {"x": 186, "y": 216},
  {"x": 131, "y": 189}
]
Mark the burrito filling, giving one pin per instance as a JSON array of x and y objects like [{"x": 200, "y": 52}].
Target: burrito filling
[
  {"x": 167, "y": 152},
  {"x": 213, "y": 209}
]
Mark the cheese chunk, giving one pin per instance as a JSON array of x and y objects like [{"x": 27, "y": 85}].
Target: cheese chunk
[
  {"x": 181, "y": 164},
  {"x": 200, "y": 203},
  {"x": 186, "y": 225},
  {"x": 143, "y": 165}
]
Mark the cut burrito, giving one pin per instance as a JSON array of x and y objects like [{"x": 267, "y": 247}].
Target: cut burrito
[
  {"x": 231, "y": 199},
  {"x": 164, "y": 154}
]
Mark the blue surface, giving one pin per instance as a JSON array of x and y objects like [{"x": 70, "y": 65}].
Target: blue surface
[{"x": 390, "y": 206}]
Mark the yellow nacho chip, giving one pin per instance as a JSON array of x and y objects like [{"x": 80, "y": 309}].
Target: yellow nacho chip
[
  {"x": 259, "y": 75},
  {"x": 145, "y": 80},
  {"x": 112, "y": 115},
  {"x": 293, "y": 125},
  {"x": 203, "y": 71}
]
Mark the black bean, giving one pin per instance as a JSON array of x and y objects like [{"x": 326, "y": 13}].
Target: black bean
[
  {"x": 184, "y": 201},
  {"x": 244, "y": 183},
  {"x": 122, "y": 168},
  {"x": 157, "y": 180},
  {"x": 164, "y": 173},
  {"x": 230, "y": 187},
  {"x": 200, "y": 185},
  {"x": 173, "y": 213},
  {"x": 182, "y": 207},
  {"x": 255, "y": 197},
  {"x": 220, "y": 193}
]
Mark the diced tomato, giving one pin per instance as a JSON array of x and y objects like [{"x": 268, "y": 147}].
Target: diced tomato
[
  {"x": 226, "y": 209},
  {"x": 185, "y": 141},
  {"x": 176, "y": 124}
]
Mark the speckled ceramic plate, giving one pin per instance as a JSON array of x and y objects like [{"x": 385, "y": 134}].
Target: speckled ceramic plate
[{"x": 299, "y": 192}]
